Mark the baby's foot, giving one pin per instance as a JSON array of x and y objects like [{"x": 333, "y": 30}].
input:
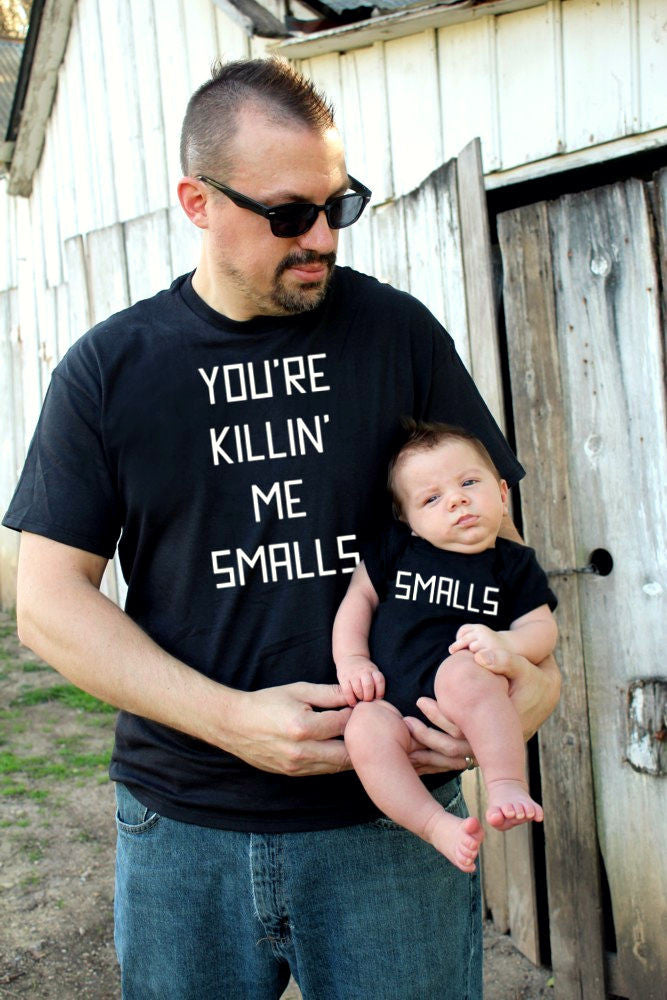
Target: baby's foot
[
  {"x": 458, "y": 839},
  {"x": 509, "y": 804}
]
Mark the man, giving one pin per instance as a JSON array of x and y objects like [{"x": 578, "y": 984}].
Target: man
[{"x": 233, "y": 432}]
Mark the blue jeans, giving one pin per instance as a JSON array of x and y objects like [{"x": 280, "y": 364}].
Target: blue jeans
[{"x": 366, "y": 912}]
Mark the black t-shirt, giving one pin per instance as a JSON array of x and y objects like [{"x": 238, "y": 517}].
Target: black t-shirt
[
  {"x": 427, "y": 593},
  {"x": 238, "y": 466}
]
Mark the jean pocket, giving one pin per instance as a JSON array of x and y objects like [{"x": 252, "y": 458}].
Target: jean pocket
[{"x": 133, "y": 816}]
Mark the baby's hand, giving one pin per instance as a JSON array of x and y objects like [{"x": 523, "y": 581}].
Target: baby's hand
[
  {"x": 359, "y": 679},
  {"x": 476, "y": 637}
]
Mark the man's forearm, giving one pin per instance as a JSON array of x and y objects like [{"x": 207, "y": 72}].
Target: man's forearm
[{"x": 96, "y": 646}]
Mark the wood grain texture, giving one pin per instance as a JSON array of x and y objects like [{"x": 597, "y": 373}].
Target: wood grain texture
[
  {"x": 565, "y": 755},
  {"x": 610, "y": 345}
]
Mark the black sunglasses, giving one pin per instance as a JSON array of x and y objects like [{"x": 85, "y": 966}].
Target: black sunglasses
[{"x": 296, "y": 217}]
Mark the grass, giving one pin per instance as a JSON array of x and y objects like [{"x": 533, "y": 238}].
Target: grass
[{"x": 67, "y": 694}]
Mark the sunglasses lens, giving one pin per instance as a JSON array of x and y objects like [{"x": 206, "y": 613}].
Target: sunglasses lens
[
  {"x": 343, "y": 211},
  {"x": 293, "y": 220}
]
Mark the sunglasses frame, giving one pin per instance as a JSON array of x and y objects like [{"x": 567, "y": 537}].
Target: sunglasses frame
[{"x": 269, "y": 211}]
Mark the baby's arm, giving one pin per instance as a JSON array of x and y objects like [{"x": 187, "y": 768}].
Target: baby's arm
[
  {"x": 359, "y": 678},
  {"x": 532, "y": 635}
]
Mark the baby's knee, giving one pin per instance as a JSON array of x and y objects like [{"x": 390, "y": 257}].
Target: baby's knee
[
  {"x": 461, "y": 681},
  {"x": 370, "y": 722}
]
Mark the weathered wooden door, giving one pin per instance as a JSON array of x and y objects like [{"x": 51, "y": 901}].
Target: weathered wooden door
[{"x": 583, "y": 308}]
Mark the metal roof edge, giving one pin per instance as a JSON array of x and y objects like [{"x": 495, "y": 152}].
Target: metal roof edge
[
  {"x": 396, "y": 25},
  {"x": 40, "y": 80}
]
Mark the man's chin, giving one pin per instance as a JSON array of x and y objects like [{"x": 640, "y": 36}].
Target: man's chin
[{"x": 302, "y": 298}]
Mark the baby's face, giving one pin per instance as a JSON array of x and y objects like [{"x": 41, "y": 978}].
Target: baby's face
[{"x": 451, "y": 497}]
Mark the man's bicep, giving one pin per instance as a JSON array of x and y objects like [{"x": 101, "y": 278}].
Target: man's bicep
[{"x": 44, "y": 562}]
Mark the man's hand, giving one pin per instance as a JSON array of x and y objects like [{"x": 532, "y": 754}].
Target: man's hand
[
  {"x": 441, "y": 749},
  {"x": 534, "y": 690},
  {"x": 359, "y": 679},
  {"x": 277, "y": 729},
  {"x": 476, "y": 637}
]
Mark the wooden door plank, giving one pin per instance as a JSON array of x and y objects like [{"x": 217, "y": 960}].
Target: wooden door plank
[
  {"x": 478, "y": 271},
  {"x": 565, "y": 757},
  {"x": 610, "y": 342}
]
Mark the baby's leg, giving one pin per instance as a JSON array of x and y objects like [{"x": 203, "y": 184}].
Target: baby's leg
[
  {"x": 378, "y": 742},
  {"x": 476, "y": 700}
]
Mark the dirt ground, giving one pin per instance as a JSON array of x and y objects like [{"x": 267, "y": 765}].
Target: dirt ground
[{"x": 57, "y": 846}]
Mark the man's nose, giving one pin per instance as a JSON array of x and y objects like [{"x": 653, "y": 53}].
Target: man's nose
[{"x": 319, "y": 237}]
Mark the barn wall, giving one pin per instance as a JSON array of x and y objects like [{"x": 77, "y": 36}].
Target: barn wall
[{"x": 565, "y": 76}]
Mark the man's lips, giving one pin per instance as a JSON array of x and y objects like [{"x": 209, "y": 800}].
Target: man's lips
[{"x": 310, "y": 272}]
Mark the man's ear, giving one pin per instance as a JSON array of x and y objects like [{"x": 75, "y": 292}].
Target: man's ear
[
  {"x": 193, "y": 196},
  {"x": 504, "y": 494}
]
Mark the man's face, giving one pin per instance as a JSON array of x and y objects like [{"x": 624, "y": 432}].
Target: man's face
[
  {"x": 451, "y": 497},
  {"x": 259, "y": 273}
]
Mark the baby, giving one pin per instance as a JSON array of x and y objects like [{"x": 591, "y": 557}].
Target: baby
[{"x": 442, "y": 581}]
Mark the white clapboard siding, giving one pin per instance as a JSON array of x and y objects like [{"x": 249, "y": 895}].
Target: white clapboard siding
[
  {"x": 527, "y": 92},
  {"x": 150, "y": 106},
  {"x": 597, "y": 71},
  {"x": 363, "y": 110},
  {"x": 414, "y": 109},
  {"x": 561, "y": 77},
  {"x": 466, "y": 67},
  {"x": 148, "y": 257},
  {"x": 232, "y": 41},
  {"x": 652, "y": 45}
]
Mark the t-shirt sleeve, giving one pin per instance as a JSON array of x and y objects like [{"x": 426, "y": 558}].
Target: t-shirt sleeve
[
  {"x": 66, "y": 490},
  {"x": 453, "y": 398},
  {"x": 381, "y": 553},
  {"x": 527, "y": 584}
]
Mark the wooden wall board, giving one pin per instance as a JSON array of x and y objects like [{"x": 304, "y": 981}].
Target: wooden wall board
[
  {"x": 660, "y": 211},
  {"x": 149, "y": 267},
  {"x": 8, "y": 261},
  {"x": 200, "y": 39},
  {"x": 390, "y": 261},
  {"x": 412, "y": 83},
  {"x": 106, "y": 270},
  {"x": 30, "y": 378},
  {"x": 567, "y": 784},
  {"x": 120, "y": 56},
  {"x": 450, "y": 264},
  {"x": 610, "y": 343},
  {"x": 59, "y": 135},
  {"x": 232, "y": 41},
  {"x": 424, "y": 253},
  {"x": 653, "y": 63},
  {"x": 478, "y": 271},
  {"x": 527, "y": 90},
  {"x": 598, "y": 77},
  {"x": 184, "y": 242},
  {"x": 78, "y": 142},
  {"x": 150, "y": 106},
  {"x": 174, "y": 79},
  {"x": 101, "y": 119},
  {"x": 365, "y": 114},
  {"x": 466, "y": 60},
  {"x": 78, "y": 296}
]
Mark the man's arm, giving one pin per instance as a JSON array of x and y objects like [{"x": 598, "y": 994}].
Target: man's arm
[{"x": 64, "y": 618}]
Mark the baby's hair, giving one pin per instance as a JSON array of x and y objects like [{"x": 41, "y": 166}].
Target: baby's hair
[{"x": 421, "y": 435}]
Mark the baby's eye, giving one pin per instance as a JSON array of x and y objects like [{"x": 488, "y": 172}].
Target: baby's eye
[
  {"x": 431, "y": 499},
  {"x": 469, "y": 482}
]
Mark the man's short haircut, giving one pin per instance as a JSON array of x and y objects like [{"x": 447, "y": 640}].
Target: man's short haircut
[
  {"x": 272, "y": 86},
  {"x": 420, "y": 435}
]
